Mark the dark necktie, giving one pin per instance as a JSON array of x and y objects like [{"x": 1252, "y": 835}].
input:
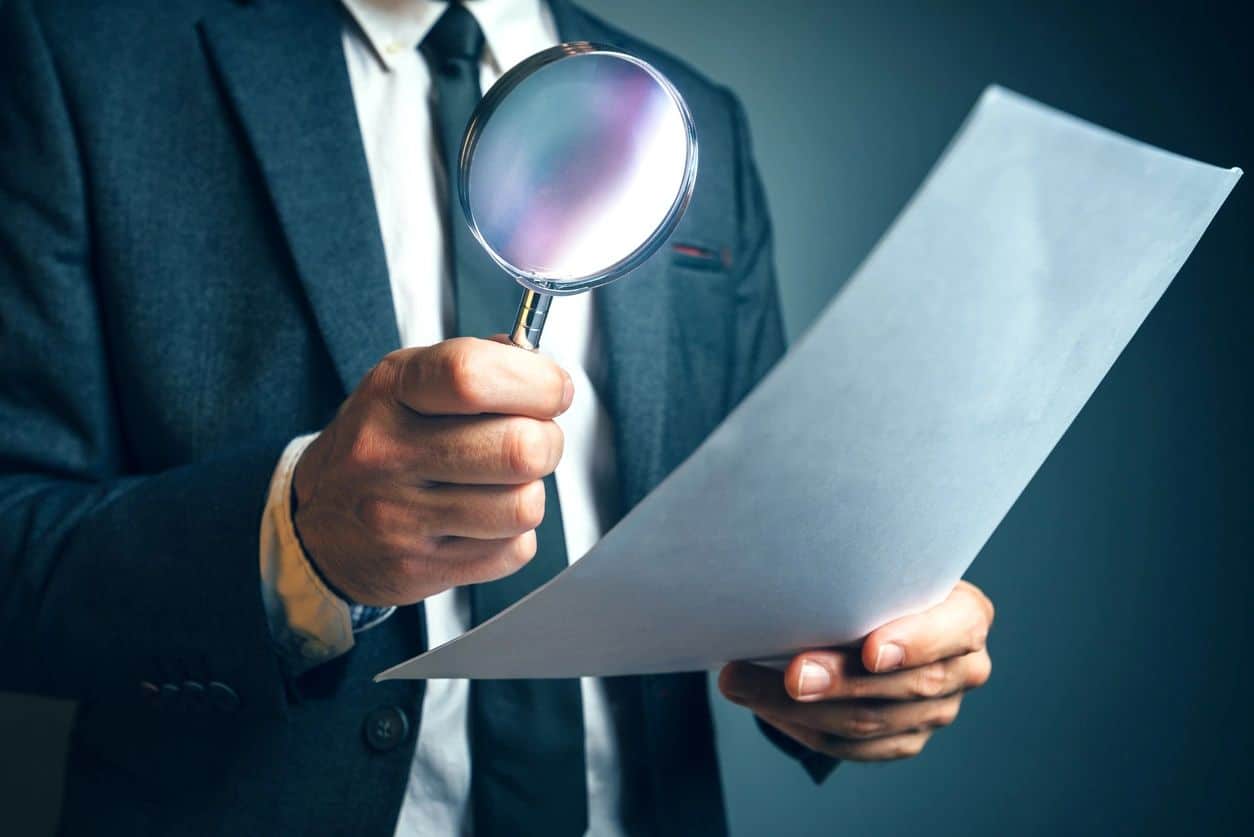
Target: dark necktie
[{"x": 526, "y": 736}]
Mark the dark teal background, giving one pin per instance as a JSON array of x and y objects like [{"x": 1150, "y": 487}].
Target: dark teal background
[{"x": 1120, "y": 699}]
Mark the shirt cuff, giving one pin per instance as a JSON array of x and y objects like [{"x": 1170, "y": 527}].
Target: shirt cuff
[{"x": 309, "y": 623}]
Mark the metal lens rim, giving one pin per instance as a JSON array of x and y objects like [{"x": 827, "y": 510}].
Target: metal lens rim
[{"x": 483, "y": 114}]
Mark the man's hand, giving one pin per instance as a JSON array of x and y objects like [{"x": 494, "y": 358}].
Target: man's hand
[
  {"x": 884, "y": 702},
  {"x": 429, "y": 477}
]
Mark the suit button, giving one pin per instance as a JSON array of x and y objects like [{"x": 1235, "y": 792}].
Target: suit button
[
  {"x": 385, "y": 728},
  {"x": 222, "y": 697}
]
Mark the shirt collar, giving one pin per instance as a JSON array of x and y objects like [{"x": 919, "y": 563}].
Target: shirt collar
[{"x": 512, "y": 29}]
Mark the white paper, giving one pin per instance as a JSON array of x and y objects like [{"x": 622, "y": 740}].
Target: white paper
[{"x": 862, "y": 476}]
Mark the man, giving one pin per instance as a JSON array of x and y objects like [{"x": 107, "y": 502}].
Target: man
[{"x": 247, "y": 463}]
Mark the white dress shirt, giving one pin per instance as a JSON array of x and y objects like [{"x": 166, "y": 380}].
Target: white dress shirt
[{"x": 391, "y": 89}]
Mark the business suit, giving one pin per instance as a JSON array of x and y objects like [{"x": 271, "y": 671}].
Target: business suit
[{"x": 192, "y": 275}]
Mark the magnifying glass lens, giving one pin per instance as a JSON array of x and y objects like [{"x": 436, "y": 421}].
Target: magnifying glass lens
[{"x": 576, "y": 166}]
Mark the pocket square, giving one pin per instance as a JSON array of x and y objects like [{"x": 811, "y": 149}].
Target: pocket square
[{"x": 701, "y": 258}]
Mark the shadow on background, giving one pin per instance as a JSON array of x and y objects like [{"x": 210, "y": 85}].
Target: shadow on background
[{"x": 1119, "y": 700}]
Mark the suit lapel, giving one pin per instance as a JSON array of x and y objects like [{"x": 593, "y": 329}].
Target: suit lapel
[
  {"x": 282, "y": 66},
  {"x": 634, "y": 315}
]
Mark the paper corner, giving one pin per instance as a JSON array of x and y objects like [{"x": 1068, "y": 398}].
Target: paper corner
[{"x": 992, "y": 93}]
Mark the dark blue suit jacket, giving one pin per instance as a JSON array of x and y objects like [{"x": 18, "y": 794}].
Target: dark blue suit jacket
[{"x": 191, "y": 274}]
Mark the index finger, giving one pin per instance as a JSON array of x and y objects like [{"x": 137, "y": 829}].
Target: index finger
[
  {"x": 469, "y": 376},
  {"x": 959, "y": 625}
]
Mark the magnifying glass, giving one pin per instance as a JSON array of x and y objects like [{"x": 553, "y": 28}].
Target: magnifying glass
[{"x": 575, "y": 167}]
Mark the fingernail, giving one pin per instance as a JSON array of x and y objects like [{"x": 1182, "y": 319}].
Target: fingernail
[
  {"x": 890, "y": 657},
  {"x": 814, "y": 680},
  {"x": 568, "y": 391}
]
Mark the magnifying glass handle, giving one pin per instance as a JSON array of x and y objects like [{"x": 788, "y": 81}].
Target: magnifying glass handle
[{"x": 532, "y": 310}]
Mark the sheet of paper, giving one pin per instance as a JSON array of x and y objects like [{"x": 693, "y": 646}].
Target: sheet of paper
[{"x": 864, "y": 474}]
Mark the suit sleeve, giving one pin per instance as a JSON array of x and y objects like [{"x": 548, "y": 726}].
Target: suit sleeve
[
  {"x": 108, "y": 578},
  {"x": 760, "y": 339}
]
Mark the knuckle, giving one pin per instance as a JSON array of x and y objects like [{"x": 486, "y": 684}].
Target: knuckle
[
  {"x": 856, "y": 687},
  {"x": 417, "y": 523},
  {"x": 417, "y": 555},
  {"x": 369, "y": 448},
  {"x": 863, "y": 722},
  {"x": 557, "y": 445},
  {"x": 529, "y": 505},
  {"x": 390, "y": 556},
  {"x": 556, "y": 388},
  {"x": 946, "y": 714},
  {"x": 464, "y": 375},
  {"x": 990, "y": 612},
  {"x": 500, "y": 560},
  {"x": 977, "y": 637},
  {"x": 413, "y": 566},
  {"x": 907, "y": 747},
  {"x": 525, "y": 449},
  {"x": 930, "y": 681},
  {"x": 385, "y": 377},
  {"x": 896, "y": 748},
  {"x": 375, "y": 514},
  {"x": 425, "y": 549},
  {"x": 981, "y": 670},
  {"x": 981, "y": 601},
  {"x": 522, "y": 549}
]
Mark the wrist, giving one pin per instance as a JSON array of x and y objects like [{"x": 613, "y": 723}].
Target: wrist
[
  {"x": 362, "y": 616},
  {"x": 303, "y": 470},
  {"x": 299, "y": 501},
  {"x": 293, "y": 501}
]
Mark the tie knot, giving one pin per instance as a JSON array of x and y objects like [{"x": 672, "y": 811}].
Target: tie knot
[{"x": 456, "y": 37}]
